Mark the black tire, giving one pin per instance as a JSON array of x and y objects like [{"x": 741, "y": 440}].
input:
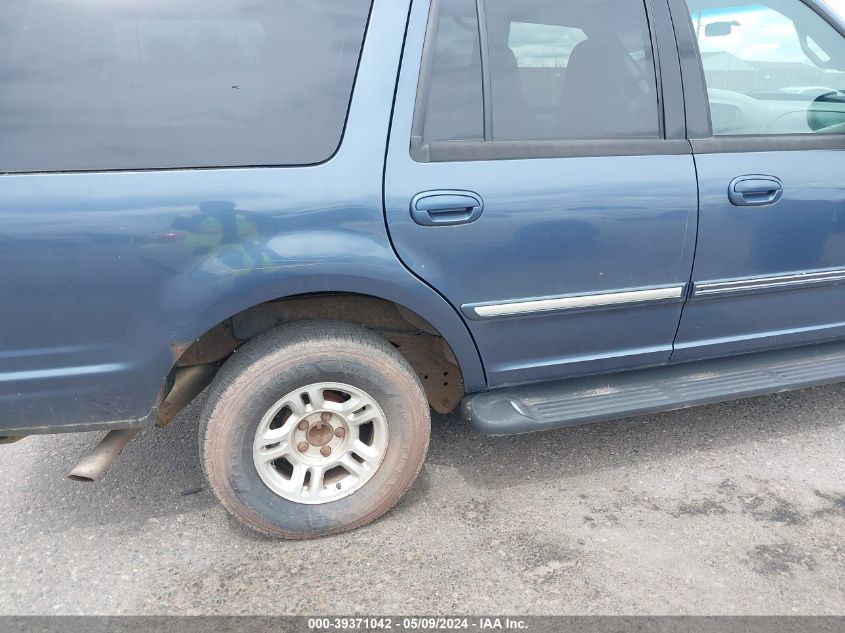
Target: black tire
[{"x": 278, "y": 362}]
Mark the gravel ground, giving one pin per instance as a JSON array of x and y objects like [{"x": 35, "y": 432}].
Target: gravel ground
[{"x": 736, "y": 508}]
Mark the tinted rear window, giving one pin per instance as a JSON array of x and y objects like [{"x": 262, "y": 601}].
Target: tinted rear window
[
  {"x": 88, "y": 85},
  {"x": 559, "y": 71}
]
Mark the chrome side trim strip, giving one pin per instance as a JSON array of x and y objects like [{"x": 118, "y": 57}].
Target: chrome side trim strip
[
  {"x": 575, "y": 302},
  {"x": 760, "y": 284}
]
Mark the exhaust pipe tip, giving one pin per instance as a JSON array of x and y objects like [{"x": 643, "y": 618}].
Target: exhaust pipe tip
[
  {"x": 81, "y": 478},
  {"x": 94, "y": 465}
]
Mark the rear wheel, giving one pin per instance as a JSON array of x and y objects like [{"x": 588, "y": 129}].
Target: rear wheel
[{"x": 313, "y": 429}]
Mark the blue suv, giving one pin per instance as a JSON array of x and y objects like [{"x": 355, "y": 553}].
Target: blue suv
[{"x": 337, "y": 216}]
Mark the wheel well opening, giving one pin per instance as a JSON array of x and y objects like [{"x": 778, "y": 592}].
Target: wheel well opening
[{"x": 416, "y": 339}]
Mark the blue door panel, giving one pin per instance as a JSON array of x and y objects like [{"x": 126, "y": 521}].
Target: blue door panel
[
  {"x": 767, "y": 276},
  {"x": 761, "y": 321},
  {"x": 552, "y": 228},
  {"x": 534, "y": 349},
  {"x": 573, "y": 234}
]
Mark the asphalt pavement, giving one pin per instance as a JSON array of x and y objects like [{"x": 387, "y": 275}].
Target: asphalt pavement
[{"x": 736, "y": 508}]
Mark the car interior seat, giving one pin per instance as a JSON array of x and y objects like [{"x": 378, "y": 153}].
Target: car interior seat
[
  {"x": 512, "y": 116},
  {"x": 603, "y": 95}
]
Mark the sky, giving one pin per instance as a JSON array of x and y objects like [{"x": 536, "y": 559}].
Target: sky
[
  {"x": 839, "y": 5},
  {"x": 760, "y": 34},
  {"x": 763, "y": 35}
]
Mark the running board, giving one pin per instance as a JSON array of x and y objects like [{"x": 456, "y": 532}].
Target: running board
[{"x": 578, "y": 401}]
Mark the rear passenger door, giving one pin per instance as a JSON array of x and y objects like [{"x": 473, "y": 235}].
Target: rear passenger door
[
  {"x": 538, "y": 176},
  {"x": 770, "y": 263}
]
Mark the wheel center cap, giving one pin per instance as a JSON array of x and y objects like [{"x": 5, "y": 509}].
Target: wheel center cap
[{"x": 319, "y": 434}]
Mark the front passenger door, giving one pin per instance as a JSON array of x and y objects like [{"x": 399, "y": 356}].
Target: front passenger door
[{"x": 770, "y": 262}]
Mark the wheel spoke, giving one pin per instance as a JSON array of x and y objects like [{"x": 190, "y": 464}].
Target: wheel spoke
[
  {"x": 369, "y": 453},
  {"x": 353, "y": 466},
  {"x": 315, "y": 485},
  {"x": 272, "y": 454},
  {"x": 297, "y": 407},
  {"x": 315, "y": 395},
  {"x": 297, "y": 411},
  {"x": 362, "y": 417},
  {"x": 297, "y": 479},
  {"x": 271, "y": 436},
  {"x": 347, "y": 406},
  {"x": 353, "y": 404}
]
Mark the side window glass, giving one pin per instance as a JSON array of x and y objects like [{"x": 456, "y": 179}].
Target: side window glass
[
  {"x": 454, "y": 104},
  {"x": 159, "y": 84},
  {"x": 771, "y": 69},
  {"x": 573, "y": 70},
  {"x": 542, "y": 52},
  {"x": 579, "y": 69}
]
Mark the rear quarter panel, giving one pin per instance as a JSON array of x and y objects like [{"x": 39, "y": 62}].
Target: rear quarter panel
[{"x": 102, "y": 272}]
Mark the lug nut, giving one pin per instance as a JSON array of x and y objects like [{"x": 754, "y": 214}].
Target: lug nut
[
  {"x": 326, "y": 416},
  {"x": 340, "y": 432},
  {"x": 303, "y": 426},
  {"x": 302, "y": 446},
  {"x": 325, "y": 451}
]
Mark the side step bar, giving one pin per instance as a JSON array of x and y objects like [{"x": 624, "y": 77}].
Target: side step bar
[{"x": 598, "y": 398}]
